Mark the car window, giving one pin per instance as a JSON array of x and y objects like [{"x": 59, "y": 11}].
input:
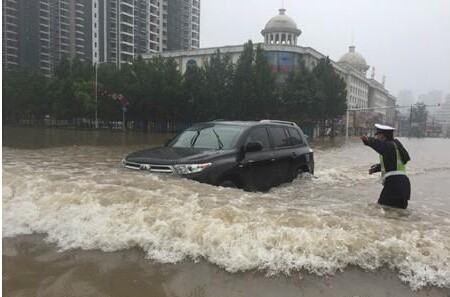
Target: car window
[
  {"x": 259, "y": 135},
  {"x": 209, "y": 137},
  {"x": 279, "y": 136},
  {"x": 294, "y": 137}
]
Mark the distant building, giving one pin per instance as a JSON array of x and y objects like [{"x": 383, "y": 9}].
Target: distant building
[
  {"x": 442, "y": 116},
  {"x": 181, "y": 24},
  {"x": 284, "y": 55},
  {"x": 37, "y": 34}
]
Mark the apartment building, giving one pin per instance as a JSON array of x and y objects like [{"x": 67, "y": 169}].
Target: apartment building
[{"x": 38, "y": 34}]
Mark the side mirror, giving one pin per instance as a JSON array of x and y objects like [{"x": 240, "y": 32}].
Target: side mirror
[{"x": 253, "y": 147}]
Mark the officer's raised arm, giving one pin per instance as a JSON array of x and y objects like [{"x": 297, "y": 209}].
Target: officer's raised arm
[{"x": 374, "y": 143}]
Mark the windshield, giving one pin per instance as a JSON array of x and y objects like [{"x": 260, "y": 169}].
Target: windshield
[{"x": 208, "y": 137}]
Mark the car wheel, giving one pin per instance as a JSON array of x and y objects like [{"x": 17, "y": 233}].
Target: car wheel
[{"x": 228, "y": 184}]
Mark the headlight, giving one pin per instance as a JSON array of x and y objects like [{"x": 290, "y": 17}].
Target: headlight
[
  {"x": 124, "y": 162},
  {"x": 190, "y": 168}
]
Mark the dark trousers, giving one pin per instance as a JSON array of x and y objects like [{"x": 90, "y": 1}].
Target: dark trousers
[{"x": 396, "y": 191}]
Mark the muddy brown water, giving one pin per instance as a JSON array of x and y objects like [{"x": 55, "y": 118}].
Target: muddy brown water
[{"x": 77, "y": 224}]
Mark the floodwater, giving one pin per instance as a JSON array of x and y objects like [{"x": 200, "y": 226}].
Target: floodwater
[{"x": 77, "y": 224}]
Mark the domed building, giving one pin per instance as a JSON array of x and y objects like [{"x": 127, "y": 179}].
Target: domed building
[
  {"x": 281, "y": 29},
  {"x": 355, "y": 60},
  {"x": 284, "y": 55}
]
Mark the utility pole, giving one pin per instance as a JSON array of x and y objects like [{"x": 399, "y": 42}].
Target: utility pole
[{"x": 410, "y": 121}]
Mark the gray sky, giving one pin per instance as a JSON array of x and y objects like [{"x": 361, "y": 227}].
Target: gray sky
[{"x": 406, "y": 40}]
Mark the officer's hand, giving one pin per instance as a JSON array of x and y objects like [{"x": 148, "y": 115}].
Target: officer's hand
[
  {"x": 374, "y": 168},
  {"x": 364, "y": 138}
]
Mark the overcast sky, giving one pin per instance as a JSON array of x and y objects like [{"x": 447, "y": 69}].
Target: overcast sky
[{"x": 406, "y": 40}]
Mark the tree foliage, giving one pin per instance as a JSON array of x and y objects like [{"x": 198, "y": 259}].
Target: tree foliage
[
  {"x": 156, "y": 90},
  {"x": 418, "y": 120}
]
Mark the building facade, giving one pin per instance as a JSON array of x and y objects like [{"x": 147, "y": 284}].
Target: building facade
[
  {"x": 284, "y": 55},
  {"x": 442, "y": 116},
  {"x": 181, "y": 22},
  {"x": 38, "y": 34}
]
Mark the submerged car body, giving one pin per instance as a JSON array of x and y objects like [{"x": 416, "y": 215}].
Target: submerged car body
[{"x": 254, "y": 156}]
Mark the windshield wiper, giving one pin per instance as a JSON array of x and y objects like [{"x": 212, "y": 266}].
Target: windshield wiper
[
  {"x": 218, "y": 139},
  {"x": 194, "y": 139}
]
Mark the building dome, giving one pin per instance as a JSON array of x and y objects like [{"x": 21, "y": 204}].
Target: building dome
[
  {"x": 355, "y": 60},
  {"x": 281, "y": 29}
]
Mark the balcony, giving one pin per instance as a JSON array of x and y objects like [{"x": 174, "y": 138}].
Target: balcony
[
  {"x": 125, "y": 3},
  {"x": 127, "y": 14}
]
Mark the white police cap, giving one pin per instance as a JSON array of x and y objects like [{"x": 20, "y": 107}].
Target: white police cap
[{"x": 384, "y": 127}]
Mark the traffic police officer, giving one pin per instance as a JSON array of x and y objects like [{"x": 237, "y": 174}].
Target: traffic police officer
[{"x": 393, "y": 158}]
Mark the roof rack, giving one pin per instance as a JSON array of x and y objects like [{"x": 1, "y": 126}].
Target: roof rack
[{"x": 279, "y": 122}]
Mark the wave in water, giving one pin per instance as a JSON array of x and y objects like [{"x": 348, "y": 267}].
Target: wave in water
[{"x": 318, "y": 225}]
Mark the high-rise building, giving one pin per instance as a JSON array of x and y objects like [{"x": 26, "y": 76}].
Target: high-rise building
[
  {"x": 70, "y": 30},
  {"x": 38, "y": 34},
  {"x": 26, "y": 35},
  {"x": 10, "y": 34},
  {"x": 182, "y": 24}
]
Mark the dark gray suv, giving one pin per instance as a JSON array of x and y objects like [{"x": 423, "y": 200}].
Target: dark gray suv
[{"x": 253, "y": 156}]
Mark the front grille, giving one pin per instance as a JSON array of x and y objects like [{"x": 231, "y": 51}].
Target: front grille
[{"x": 149, "y": 167}]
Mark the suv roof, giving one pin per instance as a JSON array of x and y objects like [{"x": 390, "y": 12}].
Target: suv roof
[{"x": 254, "y": 123}]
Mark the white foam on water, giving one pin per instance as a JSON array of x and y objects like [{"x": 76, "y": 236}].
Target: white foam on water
[{"x": 299, "y": 226}]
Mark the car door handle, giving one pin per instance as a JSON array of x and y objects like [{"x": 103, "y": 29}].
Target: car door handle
[{"x": 273, "y": 160}]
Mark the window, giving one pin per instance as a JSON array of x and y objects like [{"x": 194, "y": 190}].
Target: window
[
  {"x": 294, "y": 137},
  {"x": 208, "y": 137},
  {"x": 280, "y": 139},
  {"x": 259, "y": 135}
]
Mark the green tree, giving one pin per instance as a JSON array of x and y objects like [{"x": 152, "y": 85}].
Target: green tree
[
  {"x": 419, "y": 116},
  {"x": 194, "y": 100},
  {"x": 303, "y": 100},
  {"x": 265, "y": 102},
  {"x": 243, "y": 98},
  {"x": 25, "y": 95},
  {"x": 72, "y": 91},
  {"x": 333, "y": 88},
  {"x": 217, "y": 88}
]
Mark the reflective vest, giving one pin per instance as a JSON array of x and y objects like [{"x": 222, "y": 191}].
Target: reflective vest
[{"x": 400, "y": 170}]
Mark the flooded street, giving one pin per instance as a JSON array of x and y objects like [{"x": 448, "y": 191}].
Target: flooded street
[{"x": 75, "y": 222}]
